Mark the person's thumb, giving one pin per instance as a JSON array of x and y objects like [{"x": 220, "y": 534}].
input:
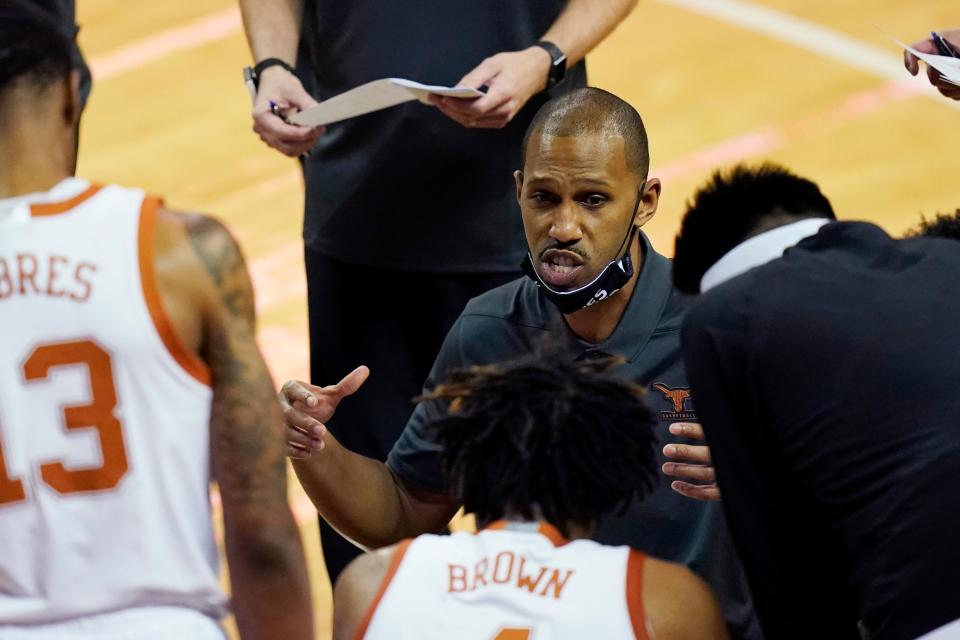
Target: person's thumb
[{"x": 353, "y": 381}]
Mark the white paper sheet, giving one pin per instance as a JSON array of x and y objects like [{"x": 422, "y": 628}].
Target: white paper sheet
[
  {"x": 948, "y": 67},
  {"x": 373, "y": 96}
]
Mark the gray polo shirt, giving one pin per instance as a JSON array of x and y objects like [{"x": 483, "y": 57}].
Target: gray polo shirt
[{"x": 508, "y": 322}]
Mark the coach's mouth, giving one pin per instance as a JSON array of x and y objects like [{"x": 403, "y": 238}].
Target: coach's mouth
[{"x": 560, "y": 268}]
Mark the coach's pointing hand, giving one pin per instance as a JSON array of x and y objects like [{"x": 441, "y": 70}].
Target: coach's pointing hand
[
  {"x": 692, "y": 463},
  {"x": 306, "y": 407}
]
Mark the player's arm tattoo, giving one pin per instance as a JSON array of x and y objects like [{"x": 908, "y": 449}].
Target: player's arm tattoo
[{"x": 246, "y": 430}]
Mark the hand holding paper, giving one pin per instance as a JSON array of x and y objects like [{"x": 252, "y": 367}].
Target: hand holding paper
[
  {"x": 374, "y": 96},
  {"x": 942, "y": 70}
]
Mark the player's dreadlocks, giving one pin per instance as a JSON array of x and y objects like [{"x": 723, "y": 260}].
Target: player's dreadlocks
[{"x": 545, "y": 437}]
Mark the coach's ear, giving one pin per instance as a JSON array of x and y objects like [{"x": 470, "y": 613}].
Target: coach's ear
[
  {"x": 518, "y": 178},
  {"x": 649, "y": 200}
]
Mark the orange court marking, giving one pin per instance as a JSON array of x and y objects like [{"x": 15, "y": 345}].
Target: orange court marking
[{"x": 147, "y": 50}]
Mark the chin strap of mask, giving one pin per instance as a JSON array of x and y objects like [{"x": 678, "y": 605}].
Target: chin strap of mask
[{"x": 610, "y": 279}]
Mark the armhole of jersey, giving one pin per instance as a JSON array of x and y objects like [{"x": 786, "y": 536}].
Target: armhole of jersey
[
  {"x": 387, "y": 578},
  {"x": 638, "y": 616},
  {"x": 188, "y": 360}
]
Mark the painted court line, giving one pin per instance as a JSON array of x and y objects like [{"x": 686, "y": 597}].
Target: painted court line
[
  {"x": 767, "y": 139},
  {"x": 812, "y": 37},
  {"x": 156, "y": 47}
]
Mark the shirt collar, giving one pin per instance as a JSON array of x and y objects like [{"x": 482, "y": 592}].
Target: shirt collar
[
  {"x": 641, "y": 316},
  {"x": 17, "y": 209},
  {"x": 543, "y": 528},
  {"x": 759, "y": 250}
]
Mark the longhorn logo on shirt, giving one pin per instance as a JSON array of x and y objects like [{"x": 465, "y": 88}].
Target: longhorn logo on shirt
[{"x": 678, "y": 397}]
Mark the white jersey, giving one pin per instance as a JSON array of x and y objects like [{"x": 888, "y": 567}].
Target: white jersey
[
  {"x": 104, "y": 423},
  {"x": 511, "y": 581}
]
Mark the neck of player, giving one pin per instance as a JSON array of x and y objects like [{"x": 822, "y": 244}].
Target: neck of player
[
  {"x": 36, "y": 144},
  {"x": 596, "y": 323}
]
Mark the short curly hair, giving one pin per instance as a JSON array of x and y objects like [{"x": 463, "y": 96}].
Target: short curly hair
[
  {"x": 545, "y": 436},
  {"x": 734, "y": 205},
  {"x": 943, "y": 225},
  {"x": 33, "y": 46}
]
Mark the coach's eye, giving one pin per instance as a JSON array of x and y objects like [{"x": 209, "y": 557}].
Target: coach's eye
[{"x": 541, "y": 197}]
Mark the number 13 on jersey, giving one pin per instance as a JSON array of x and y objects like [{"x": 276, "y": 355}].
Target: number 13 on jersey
[{"x": 97, "y": 415}]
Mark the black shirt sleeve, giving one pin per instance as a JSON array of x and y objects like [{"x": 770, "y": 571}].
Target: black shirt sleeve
[
  {"x": 415, "y": 458},
  {"x": 796, "y": 581}
]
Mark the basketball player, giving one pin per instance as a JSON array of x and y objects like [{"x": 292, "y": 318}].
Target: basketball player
[
  {"x": 538, "y": 449},
  {"x": 128, "y": 373}
]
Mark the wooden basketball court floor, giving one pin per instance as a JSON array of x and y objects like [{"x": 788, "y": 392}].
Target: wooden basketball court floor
[{"x": 814, "y": 84}]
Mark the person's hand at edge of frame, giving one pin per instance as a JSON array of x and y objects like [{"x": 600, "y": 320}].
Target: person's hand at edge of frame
[
  {"x": 307, "y": 407},
  {"x": 280, "y": 87},
  {"x": 912, "y": 63},
  {"x": 511, "y": 78},
  {"x": 692, "y": 463}
]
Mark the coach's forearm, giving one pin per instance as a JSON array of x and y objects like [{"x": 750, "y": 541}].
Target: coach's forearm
[
  {"x": 272, "y": 28},
  {"x": 583, "y": 24},
  {"x": 358, "y": 496}
]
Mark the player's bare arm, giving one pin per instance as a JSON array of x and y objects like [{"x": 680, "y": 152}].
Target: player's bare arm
[
  {"x": 679, "y": 604},
  {"x": 358, "y": 496},
  {"x": 356, "y": 589},
  {"x": 198, "y": 258}
]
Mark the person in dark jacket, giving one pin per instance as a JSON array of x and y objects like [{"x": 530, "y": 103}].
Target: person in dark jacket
[{"x": 824, "y": 361}]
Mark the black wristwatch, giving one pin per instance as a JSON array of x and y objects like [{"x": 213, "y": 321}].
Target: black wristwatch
[
  {"x": 253, "y": 75},
  {"x": 558, "y": 63}
]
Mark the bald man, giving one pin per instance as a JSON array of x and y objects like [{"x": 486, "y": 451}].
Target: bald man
[{"x": 595, "y": 285}]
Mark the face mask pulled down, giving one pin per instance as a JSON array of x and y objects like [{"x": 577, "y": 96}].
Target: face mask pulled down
[{"x": 610, "y": 280}]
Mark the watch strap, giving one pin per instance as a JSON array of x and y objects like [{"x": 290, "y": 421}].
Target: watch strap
[
  {"x": 558, "y": 62},
  {"x": 265, "y": 64}
]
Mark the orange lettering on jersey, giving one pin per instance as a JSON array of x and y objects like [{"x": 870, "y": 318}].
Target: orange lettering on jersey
[
  {"x": 53, "y": 274},
  {"x": 525, "y": 581},
  {"x": 6, "y": 282},
  {"x": 557, "y": 583},
  {"x": 99, "y": 415},
  {"x": 27, "y": 266},
  {"x": 87, "y": 285},
  {"x": 11, "y": 489},
  {"x": 458, "y": 578},
  {"x": 503, "y": 567},
  {"x": 480, "y": 574}
]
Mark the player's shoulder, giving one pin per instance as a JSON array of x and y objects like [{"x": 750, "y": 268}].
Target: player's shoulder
[
  {"x": 198, "y": 228},
  {"x": 359, "y": 586},
  {"x": 197, "y": 242},
  {"x": 670, "y": 592}
]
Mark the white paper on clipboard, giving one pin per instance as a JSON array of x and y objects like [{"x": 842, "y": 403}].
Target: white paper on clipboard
[
  {"x": 374, "y": 96},
  {"x": 949, "y": 68}
]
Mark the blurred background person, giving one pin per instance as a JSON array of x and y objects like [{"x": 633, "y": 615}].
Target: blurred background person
[
  {"x": 822, "y": 356},
  {"x": 540, "y": 449},
  {"x": 409, "y": 214},
  {"x": 129, "y": 375},
  {"x": 912, "y": 63}
]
